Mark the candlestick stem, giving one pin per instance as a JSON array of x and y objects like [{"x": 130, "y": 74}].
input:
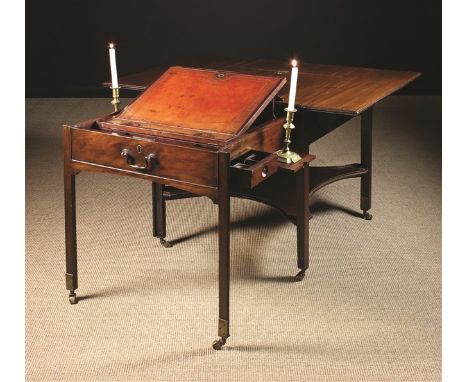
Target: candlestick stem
[
  {"x": 286, "y": 155},
  {"x": 115, "y": 99}
]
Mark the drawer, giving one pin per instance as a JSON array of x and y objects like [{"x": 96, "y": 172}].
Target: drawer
[
  {"x": 166, "y": 160},
  {"x": 252, "y": 168}
]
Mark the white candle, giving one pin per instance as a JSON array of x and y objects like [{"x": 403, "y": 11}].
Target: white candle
[
  {"x": 113, "y": 65},
  {"x": 293, "y": 86}
]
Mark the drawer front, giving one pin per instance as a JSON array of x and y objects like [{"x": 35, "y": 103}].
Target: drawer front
[
  {"x": 252, "y": 168},
  {"x": 177, "y": 162}
]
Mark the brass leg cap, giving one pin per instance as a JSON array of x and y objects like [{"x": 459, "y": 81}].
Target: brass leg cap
[
  {"x": 300, "y": 276},
  {"x": 218, "y": 344},
  {"x": 72, "y": 298},
  {"x": 367, "y": 216},
  {"x": 165, "y": 244}
]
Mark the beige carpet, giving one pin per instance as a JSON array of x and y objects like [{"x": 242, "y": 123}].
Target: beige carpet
[{"x": 368, "y": 310}]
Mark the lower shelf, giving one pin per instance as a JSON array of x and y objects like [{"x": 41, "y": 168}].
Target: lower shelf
[
  {"x": 279, "y": 191},
  {"x": 321, "y": 176},
  {"x": 172, "y": 193}
]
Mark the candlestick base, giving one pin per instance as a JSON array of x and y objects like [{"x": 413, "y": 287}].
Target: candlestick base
[
  {"x": 115, "y": 99},
  {"x": 286, "y": 155}
]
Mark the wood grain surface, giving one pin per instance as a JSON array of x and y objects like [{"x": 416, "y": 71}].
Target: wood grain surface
[
  {"x": 181, "y": 163},
  {"x": 324, "y": 88}
]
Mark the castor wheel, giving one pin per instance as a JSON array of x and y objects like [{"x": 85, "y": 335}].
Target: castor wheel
[
  {"x": 72, "y": 298},
  {"x": 218, "y": 344},
  {"x": 300, "y": 276},
  {"x": 367, "y": 216},
  {"x": 165, "y": 244}
]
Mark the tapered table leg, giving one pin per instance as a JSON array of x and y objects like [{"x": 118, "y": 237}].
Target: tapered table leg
[
  {"x": 302, "y": 220},
  {"x": 366, "y": 162},
  {"x": 71, "y": 275},
  {"x": 159, "y": 214},
  {"x": 224, "y": 249}
]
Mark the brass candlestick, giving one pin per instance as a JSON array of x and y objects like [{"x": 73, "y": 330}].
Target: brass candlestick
[
  {"x": 286, "y": 155},
  {"x": 115, "y": 99}
]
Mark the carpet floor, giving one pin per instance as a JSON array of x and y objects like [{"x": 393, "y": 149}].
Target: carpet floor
[{"x": 369, "y": 308}]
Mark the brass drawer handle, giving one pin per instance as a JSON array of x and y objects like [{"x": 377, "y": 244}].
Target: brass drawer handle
[{"x": 131, "y": 161}]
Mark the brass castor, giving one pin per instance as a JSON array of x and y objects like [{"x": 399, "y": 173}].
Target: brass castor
[
  {"x": 218, "y": 344},
  {"x": 165, "y": 244},
  {"x": 300, "y": 276},
  {"x": 72, "y": 298},
  {"x": 367, "y": 215}
]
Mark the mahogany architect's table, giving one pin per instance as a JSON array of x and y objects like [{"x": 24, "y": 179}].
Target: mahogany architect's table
[{"x": 327, "y": 97}]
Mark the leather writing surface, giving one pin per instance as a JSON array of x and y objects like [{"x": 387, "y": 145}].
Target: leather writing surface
[{"x": 200, "y": 102}]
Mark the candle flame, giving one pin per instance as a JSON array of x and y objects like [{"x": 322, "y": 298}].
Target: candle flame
[
  {"x": 294, "y": 63},
  {"x": 111, "y": 45}
]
